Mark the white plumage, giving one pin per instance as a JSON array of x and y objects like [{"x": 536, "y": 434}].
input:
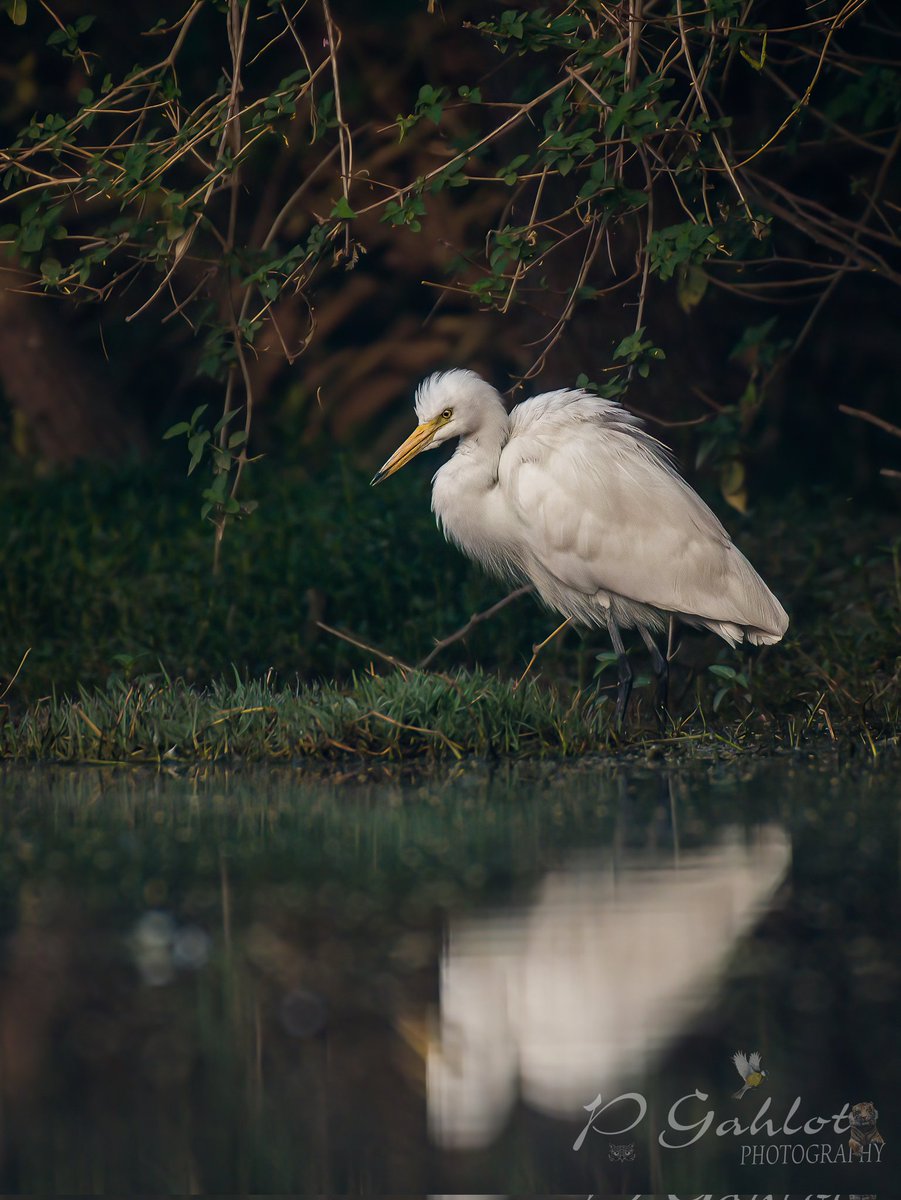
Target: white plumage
[{"x": 569, "y": 492}]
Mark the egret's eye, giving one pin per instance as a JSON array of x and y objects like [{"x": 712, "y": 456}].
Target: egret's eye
[{"x": 447, "y": 414}]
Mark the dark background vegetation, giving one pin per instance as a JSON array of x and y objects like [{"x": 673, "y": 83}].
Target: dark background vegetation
[{"x": 290, "y": 215}]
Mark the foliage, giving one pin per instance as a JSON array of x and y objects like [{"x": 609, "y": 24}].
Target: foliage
[{"x": 609, "y": 155}]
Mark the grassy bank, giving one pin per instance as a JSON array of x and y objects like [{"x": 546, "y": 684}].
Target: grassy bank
[
  {"x": 135, "y": 653},
  {"x": 392, "y": 717}
]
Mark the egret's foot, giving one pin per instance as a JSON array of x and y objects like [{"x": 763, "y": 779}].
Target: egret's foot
[
  {"x": 625, "y": 675},
  {"x": 661, "y": 670},
  {"x": 623, "y": 692},
  {"x": 661, "y": 698}
]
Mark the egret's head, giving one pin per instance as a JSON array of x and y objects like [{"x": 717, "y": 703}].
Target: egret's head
[{"x": 450, "y": 404}]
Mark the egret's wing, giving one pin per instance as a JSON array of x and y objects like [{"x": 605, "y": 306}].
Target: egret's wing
[
  {"x": 754, "y": 1061},
  {"x": 741, "y": 1064},
  {"x": 601, "y": 508}
]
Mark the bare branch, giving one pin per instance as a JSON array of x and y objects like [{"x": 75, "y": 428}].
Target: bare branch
[
  {"x": 474, "y": 620},
  {"x": 894, "y": 430},
  {"x": 361, "y": 645}
]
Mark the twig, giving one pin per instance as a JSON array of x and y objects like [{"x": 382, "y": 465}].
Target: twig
[
  {"x": 455, "y": 749},
  {"x": 592, "y": 248},
  {"x": 520, "y": 268},
  {"x": 698, "y": 87},
  {"x": 475, "y": 619},
  {"x": 361, "y": 645},
  {"x": 81, "y": 54},
  {"x": 646, "y": 268},
  {"x": 841, "y": 19},
  {"x": 345, "y": 142},
  {"x": 5, "y": 691},
  {"x": 276, "y": 225},
  {"x": 462, "y": 155},
  {"x": 537, "y": 648},
  {"x": 855, "y": 241},
  {"x": 635, "y": 23},
  {"x": 895, "y": 430}
]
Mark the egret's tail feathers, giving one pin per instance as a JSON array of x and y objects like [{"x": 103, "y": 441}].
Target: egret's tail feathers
[
  {"x": 762, "y": 637},
  {"x": 762, "y": 618},
  {"x": 733, "y": 634}
]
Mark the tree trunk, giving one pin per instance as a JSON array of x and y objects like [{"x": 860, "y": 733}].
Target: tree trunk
[{"x": 68, "y": 403}]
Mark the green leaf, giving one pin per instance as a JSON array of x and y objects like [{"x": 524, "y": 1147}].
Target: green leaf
[
  {"x": 215, "y": 493},
  {"x": 269, "y": 288},
  {"x": 226, "y": 419},
  {"x": 631, "y": 345},
  {"x": 757, "y": 63},
  {"x": 753, "y": 336},
  {"x": 17, "y": 11},
  {"x": 176, "y": 430},
  {"x": 722, "y": 672},
  {"x": 342, "y": 210},
  {"x": 690, "y": 287},
  {"x": 196, "y": 444},
  {"x": 50, "y": 270}
]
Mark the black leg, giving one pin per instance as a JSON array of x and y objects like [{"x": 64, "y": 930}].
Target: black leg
[
  {"x": 661, "y": 670},
  {"x": 625, "y": 673}
]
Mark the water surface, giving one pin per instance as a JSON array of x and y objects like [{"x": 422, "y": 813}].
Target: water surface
[{"x": 516, "y": 979}]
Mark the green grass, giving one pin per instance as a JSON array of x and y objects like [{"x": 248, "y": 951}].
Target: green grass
[
  {"x": 390, "y": 717},
  {"x": 107, "y": 572},
  {"x": 395, "y": 715},
  {"x": 135, "y": 653}
]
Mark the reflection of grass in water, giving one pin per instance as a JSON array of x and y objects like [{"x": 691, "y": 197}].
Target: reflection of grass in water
[
  {"x": 108, "y": 573},
  {"x": 340, "y": 885}
]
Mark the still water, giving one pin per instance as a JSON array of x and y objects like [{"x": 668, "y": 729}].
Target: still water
[{"x": 516, "y": 979}]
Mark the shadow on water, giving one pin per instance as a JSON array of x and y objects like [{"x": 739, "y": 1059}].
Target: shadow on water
[{"x": 268, "y": 981}]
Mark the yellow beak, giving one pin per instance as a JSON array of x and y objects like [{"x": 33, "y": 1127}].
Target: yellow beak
[{"x": 418, "y": 440}]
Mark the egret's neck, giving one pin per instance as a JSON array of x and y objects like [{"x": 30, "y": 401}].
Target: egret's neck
[
  {"x": 466, "y": 499},
  {"x": 479, "y": 452}
]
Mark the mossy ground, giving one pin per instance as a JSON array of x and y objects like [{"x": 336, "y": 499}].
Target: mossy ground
[{"x": 136, "y": 653}]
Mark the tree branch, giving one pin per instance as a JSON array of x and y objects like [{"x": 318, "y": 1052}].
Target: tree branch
[{"x": 475, "y": 619}]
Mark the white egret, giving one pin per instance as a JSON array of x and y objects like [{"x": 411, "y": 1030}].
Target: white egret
[{"x": 569, "y": 492}]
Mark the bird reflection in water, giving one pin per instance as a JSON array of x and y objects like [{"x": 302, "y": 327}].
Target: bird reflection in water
[{"x": 555, "y": 1001}]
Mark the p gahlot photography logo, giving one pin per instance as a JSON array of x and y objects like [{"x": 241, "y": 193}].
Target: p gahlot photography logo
[{"x": 765, "y": 1133}]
